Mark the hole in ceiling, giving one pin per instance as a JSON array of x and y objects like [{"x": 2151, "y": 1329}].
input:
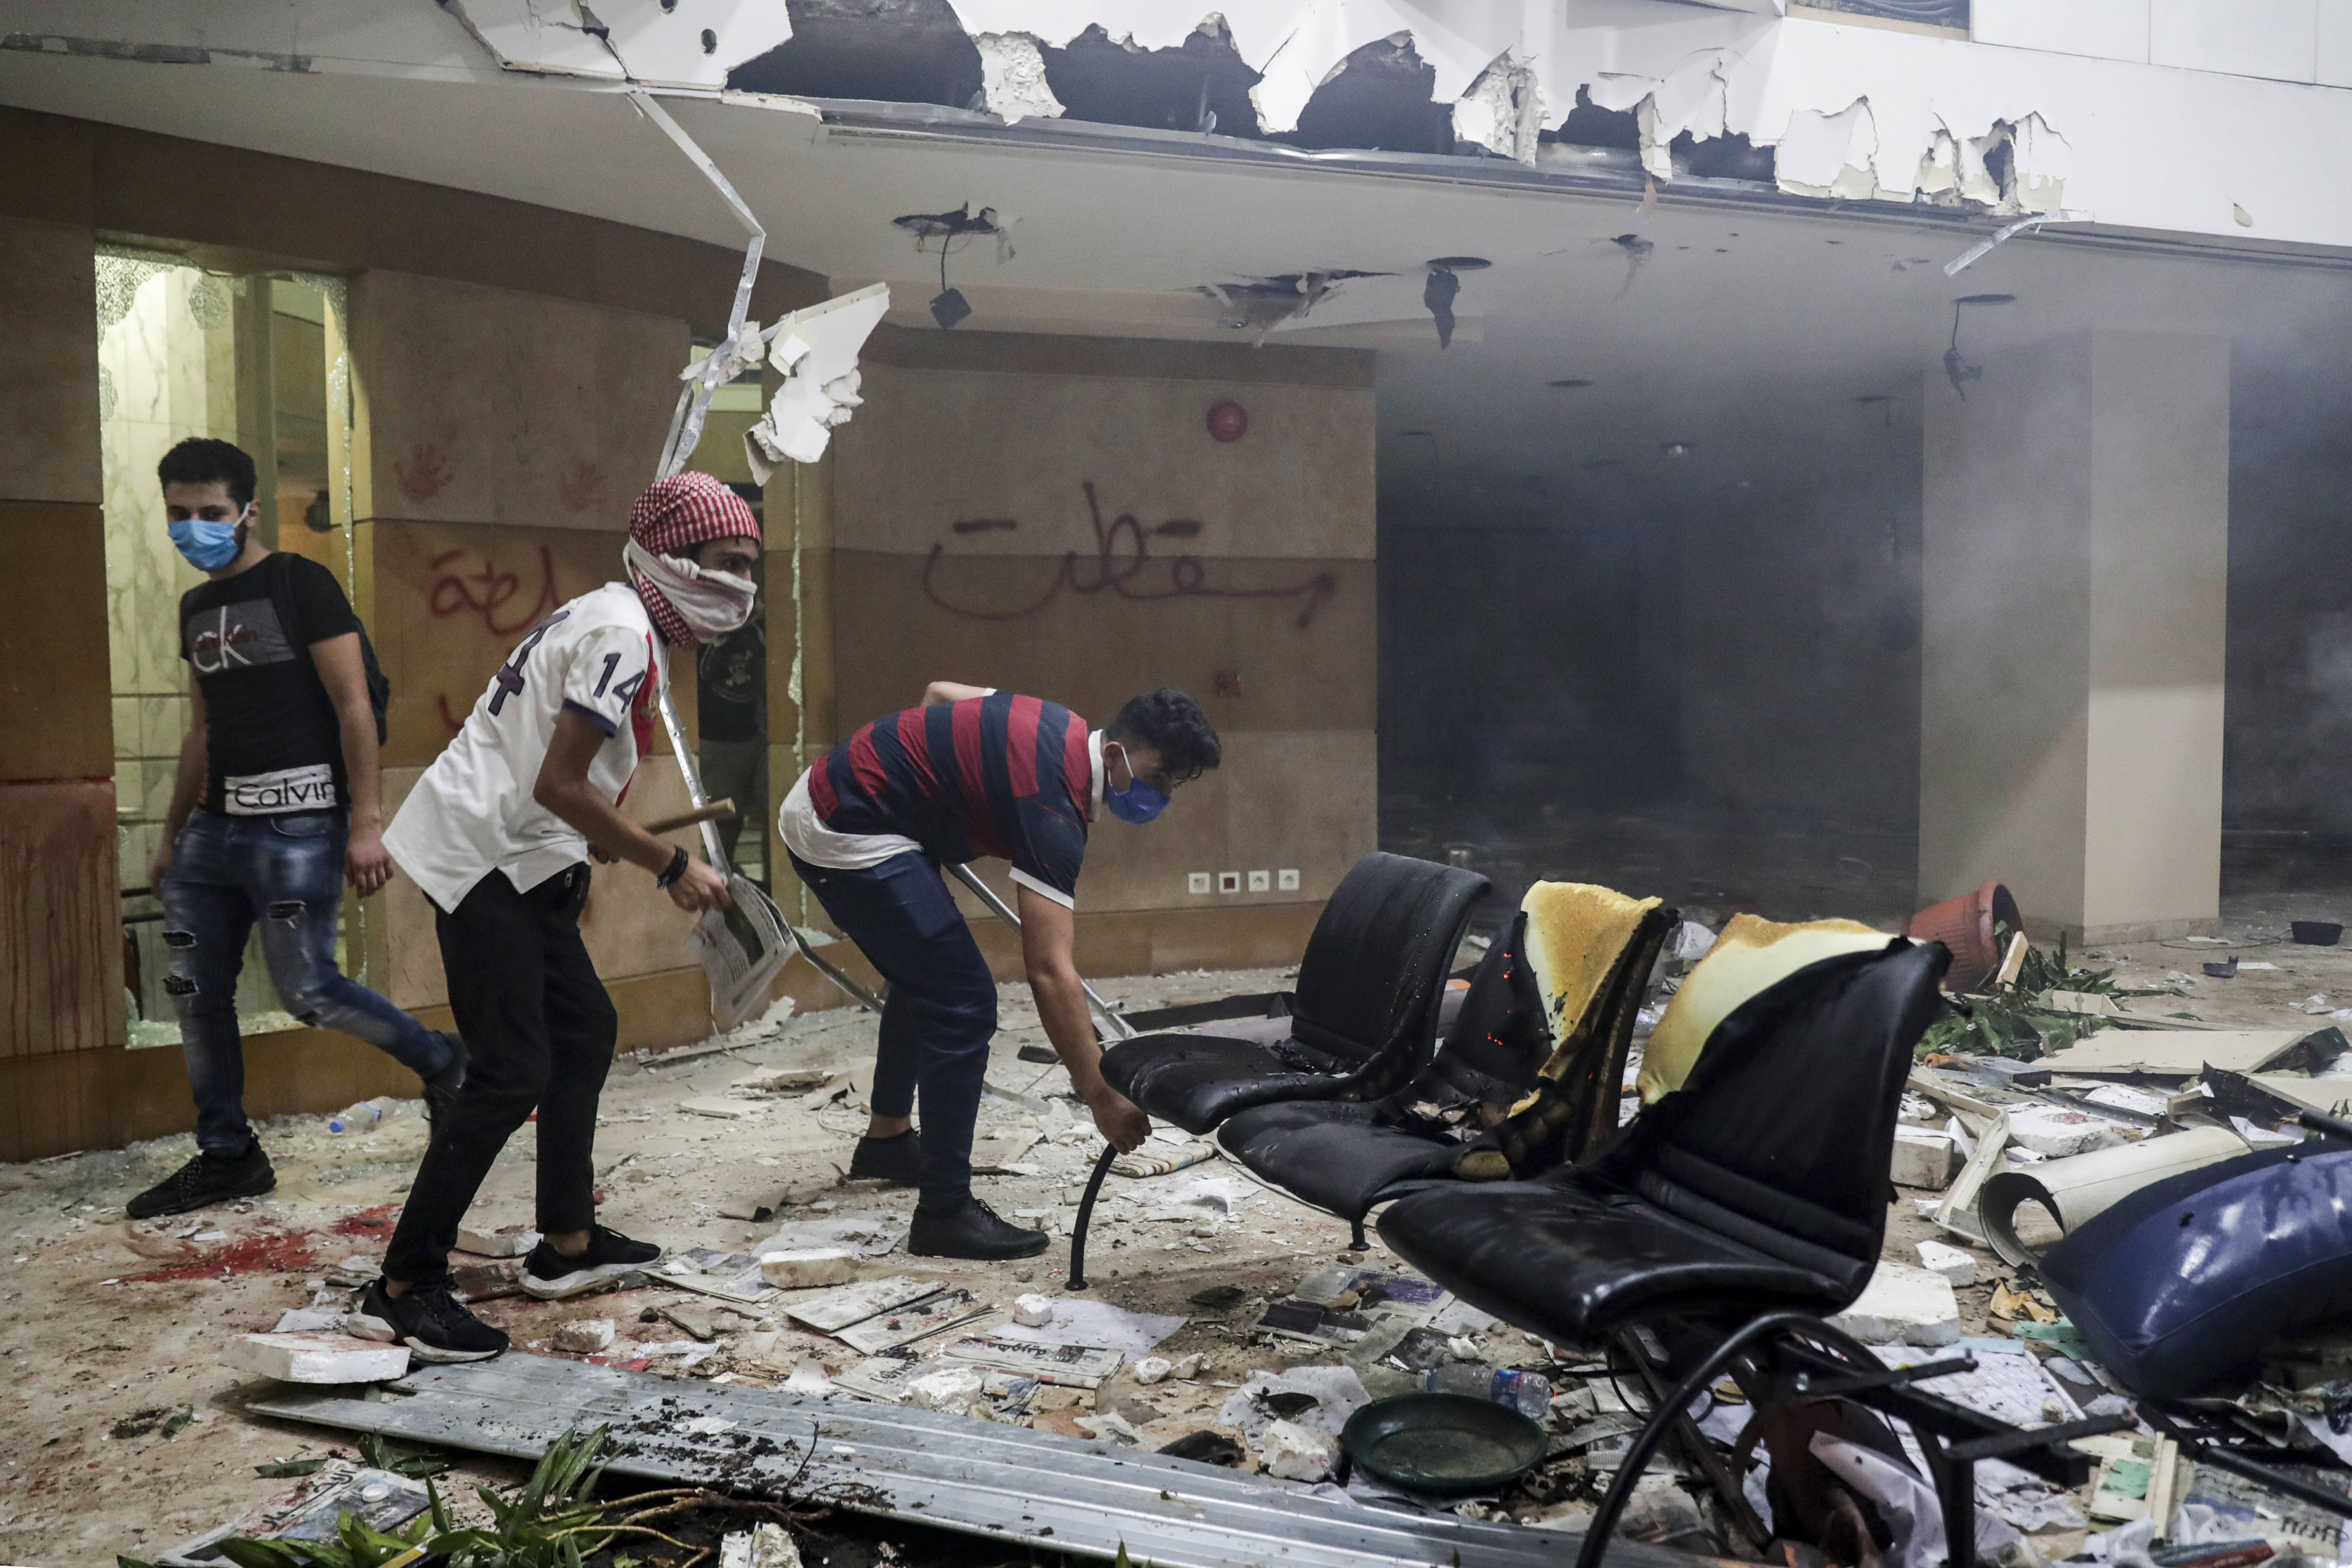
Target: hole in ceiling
[
  {"x": 887, "y": 51},
  {"x": 1201, "y": 85},
  {"x": 1378, "y": 99}
]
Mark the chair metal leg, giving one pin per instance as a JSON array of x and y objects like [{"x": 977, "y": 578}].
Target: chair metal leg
[
  {"x": 1693, "y": 1443},
  {"x": 1078, "y": 1279},
  {"x": 1356, "y": 1239}
]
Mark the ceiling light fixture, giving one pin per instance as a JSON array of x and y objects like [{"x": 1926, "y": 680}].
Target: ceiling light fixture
[
  {"x": 1458, "y": 264},
  {"x": 1957, "y": 370},
  {"x": 1678, "y": 448}
]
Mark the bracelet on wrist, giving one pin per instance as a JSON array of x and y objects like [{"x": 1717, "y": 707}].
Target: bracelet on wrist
[{"x": 676, "y": 868}]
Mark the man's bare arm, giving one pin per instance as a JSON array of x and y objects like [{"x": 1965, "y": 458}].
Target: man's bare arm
[
  {"x": 1048, "y": 932},
  {"x": 563, "y": 788},
  {"x": 196, "y": 761},
  {"x": 366, "y": 862},
  {"x": 951, "y": 691}
]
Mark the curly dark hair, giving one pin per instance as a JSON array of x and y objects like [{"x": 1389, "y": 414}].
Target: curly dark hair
[
  {"x": 1172, "y": 723},
  {"x": 202, "y": 460}
]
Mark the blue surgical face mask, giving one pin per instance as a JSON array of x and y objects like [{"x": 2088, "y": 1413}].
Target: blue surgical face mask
[
  {"x": 208, "y": 545},
  {"x": 1138, "y": 803}
]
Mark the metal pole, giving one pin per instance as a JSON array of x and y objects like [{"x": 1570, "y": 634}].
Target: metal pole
[{"x": 987, "y": 895}]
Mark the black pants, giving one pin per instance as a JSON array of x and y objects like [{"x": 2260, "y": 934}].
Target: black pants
[{"x": 542, "y": 1031}]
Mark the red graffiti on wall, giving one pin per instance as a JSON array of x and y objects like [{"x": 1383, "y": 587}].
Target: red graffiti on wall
[
  {"x": 1122, "y": 551},
  {"x": 489, "y": 592},
  {"x": 581, "y": 487},
  {"x": 423, "y": 472}
]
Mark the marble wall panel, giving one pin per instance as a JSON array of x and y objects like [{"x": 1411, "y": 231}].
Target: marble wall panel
[
  {"x": 487, "y": 406},
  {"x": 60, "y": 934}
]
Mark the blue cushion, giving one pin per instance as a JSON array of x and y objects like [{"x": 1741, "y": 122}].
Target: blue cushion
[{"x": 2187, "y": 1279}]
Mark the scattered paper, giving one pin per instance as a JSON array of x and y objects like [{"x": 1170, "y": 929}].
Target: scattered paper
[
  {"x": 837, "y": 1309},
  {"x": 933, "y": 1314},
  {"x": 1074, "y": 1366},
  {"x": 1087, "y": 1322}
]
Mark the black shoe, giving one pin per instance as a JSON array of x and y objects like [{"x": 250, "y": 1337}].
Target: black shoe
[
  {"x": 442, "y": 1088},
  {"x": 971, "y": 1230},
  {"x": 427, "y": 1319},
  {"x": 895, "y": 1162},
  {"x": 206, "y": 1180},
  {"x": 552, "y": 1276}
]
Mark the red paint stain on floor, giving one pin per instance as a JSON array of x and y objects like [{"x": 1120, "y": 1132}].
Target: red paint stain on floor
[
  {"x": 257, "y": 1252},
  {"x": 376, "y": 1221}
]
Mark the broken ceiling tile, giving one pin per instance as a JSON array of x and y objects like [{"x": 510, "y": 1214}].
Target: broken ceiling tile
[
  {"x": 1012, "y": 77},
  {"x": 643, "y": 41}
]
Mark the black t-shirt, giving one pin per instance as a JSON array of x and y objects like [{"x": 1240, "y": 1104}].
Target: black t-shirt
[
  {"x": 731, "y": 680},
  {"x": 273, "y": 741}
]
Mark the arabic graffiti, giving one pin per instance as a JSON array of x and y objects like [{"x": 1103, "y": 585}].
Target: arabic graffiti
[
  {"x": 1122, "y": 550},
  {"x": 489, "y": 591}
]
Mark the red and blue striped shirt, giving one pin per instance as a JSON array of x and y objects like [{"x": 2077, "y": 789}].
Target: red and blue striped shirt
[{"x": 999, "y": 776}]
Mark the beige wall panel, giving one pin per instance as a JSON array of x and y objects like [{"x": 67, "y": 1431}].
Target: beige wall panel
[
  {"x": 2005, "y": 655},
  {"x": 896, "y": 632},
  {"x": 2159, "y": 566},
  {"x": 49, "y": 366},
  {"x": 55, "y": 705},
  {"x": 451, "y": 603},
  {"x": 60, "y": 925},
  {"x": 930, "y": 450},
  {"x": 1303, "y": 800},
  {"x": 487, "y": 406}
]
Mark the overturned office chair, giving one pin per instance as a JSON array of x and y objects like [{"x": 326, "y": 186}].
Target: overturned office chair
[
  {"x": 1364, "y": 1020},
  {"x": 1545, "y": 1027},
  {"x": 1736, "y": 1213}
]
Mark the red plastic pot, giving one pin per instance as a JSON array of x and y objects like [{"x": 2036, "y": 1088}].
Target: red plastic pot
[{"x": 1965, "y": 925}]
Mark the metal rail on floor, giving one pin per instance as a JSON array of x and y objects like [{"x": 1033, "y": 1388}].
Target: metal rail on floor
[{"x": 1009, "y": 1483}]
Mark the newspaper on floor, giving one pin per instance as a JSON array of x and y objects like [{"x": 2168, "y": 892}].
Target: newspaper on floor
[
  {"x": 743, "y": 947},
  {"x": 867, "y": 1235},
  {"x": 883, "y": 1377},
  {"x": 837, "y": 1309},
  {"x": 1071, "y": 1366},
  {"x": 729, "y": 1276},
  {"x": 888, "y": 1331},
  {"x": 311, "y": 1512},
  {"x": 1084, "y": 1322}
]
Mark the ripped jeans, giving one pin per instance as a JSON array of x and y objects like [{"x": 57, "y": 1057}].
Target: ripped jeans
[{"x": 286, "y": 872}]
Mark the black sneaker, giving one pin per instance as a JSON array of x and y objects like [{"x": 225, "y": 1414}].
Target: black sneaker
[
  {"x": 443, "y": 1086},
  {"x": 206, "y": 1180},
  {"x": 427, "y": 1319},
  {"x": 971, "y": 1230},
  {"x": 552, "y": 1276},
  {"x": 894, "y": 1162}
]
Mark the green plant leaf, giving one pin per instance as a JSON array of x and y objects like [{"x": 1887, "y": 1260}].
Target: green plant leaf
[
  {"x": 291, "y": 1467},
  {"x": 250, "y": 1553},
  {"x": 179, "y": 1420}
]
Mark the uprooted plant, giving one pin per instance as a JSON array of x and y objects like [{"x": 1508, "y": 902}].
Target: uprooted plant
[{"x": 2017, "y": 1020}]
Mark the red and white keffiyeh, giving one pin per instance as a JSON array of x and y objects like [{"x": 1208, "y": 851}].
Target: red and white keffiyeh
[{"x": 674, "y": 513}]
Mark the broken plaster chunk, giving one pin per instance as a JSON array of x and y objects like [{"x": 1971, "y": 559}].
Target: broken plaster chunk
[
  {"x": 1295, "y": 1453},
  {"x": 584, "y": 1336},
  {"x": 804, "y": 1267},
  {"x": 1153, "y": 1368},
  {"x": 1012, "y": 77},
  {"x": 951, "y": 1389},
  {"x": 724, "y": 1109},
  {"x": 1033, "y": 1311},
  {"x": 1903, "y": 1303},
  {"x": 1924, "y": 1158},
  {"x": 1953, "y": 1263},
  {"x": 2054, "y": 1132},
  {"x": 765, "y": 1546},
  {"x": 316, "y": 1358},
  {"x": 507, "y": 1241}
]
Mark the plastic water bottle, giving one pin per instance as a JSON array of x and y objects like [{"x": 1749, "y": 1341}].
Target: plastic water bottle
[
  {"x": 356, "y": 1118},
  {"x": 1528, "y": 1392}
]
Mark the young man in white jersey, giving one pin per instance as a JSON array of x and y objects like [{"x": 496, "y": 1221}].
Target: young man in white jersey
[{"x": 498, "y": 833}]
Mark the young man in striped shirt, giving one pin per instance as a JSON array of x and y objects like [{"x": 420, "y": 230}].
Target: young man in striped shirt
[{"x": 975, "y": 773}]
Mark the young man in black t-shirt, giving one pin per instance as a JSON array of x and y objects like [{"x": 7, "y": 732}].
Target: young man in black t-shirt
[{"x": 274, "y": 807}]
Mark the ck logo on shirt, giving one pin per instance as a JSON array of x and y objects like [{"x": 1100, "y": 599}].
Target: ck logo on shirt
[
  {"x": 310, "y": 788},
  {"x": 237, "y": 636}
]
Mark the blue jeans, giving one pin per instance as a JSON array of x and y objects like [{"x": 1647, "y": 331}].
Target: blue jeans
[
  {"x": 286, "y": 872},
  {"x": 940, "y": 1013}
]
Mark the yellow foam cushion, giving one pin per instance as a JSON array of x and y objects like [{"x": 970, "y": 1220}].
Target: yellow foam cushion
[
  {"x": 1575, "y": 931},
  {"x": 1749, "y": 956}
]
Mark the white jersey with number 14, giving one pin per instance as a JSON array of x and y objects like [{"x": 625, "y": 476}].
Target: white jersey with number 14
[{"x": 472, "y": 812}]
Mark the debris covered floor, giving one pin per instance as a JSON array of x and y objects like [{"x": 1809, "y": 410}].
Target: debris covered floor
[{"x": 121, "y": 1431}]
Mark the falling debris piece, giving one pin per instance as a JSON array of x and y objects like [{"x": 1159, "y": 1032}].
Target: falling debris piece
[
  {"x": 1903, "y": 1302},
  {"x": 816, "y": 351},
  {"x": 507, "y": 1241},
  {"x": 1153, "y": 1368},
  {"x": 725, "y": 1109},
  {"x": 1924, "y": 1158},
  {"x": 1295, "y": 1453},
  {"x": 802, "y": 1268},
  {"x": 1984, "y": 247},
  {"x": 950, "y": 1388},
  {"x": 1437, "y": 296},
  {"x": 1033, "y": 1311},
  {"x": 2071, "y": 1190},
  {"x": 316, "y": 1358},
  {"x": 583, "y": 1336},
  {"x": 1952, "y": 1263}
]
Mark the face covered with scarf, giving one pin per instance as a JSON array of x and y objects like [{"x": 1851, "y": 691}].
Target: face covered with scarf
[{"x": 690, "y": 602}]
